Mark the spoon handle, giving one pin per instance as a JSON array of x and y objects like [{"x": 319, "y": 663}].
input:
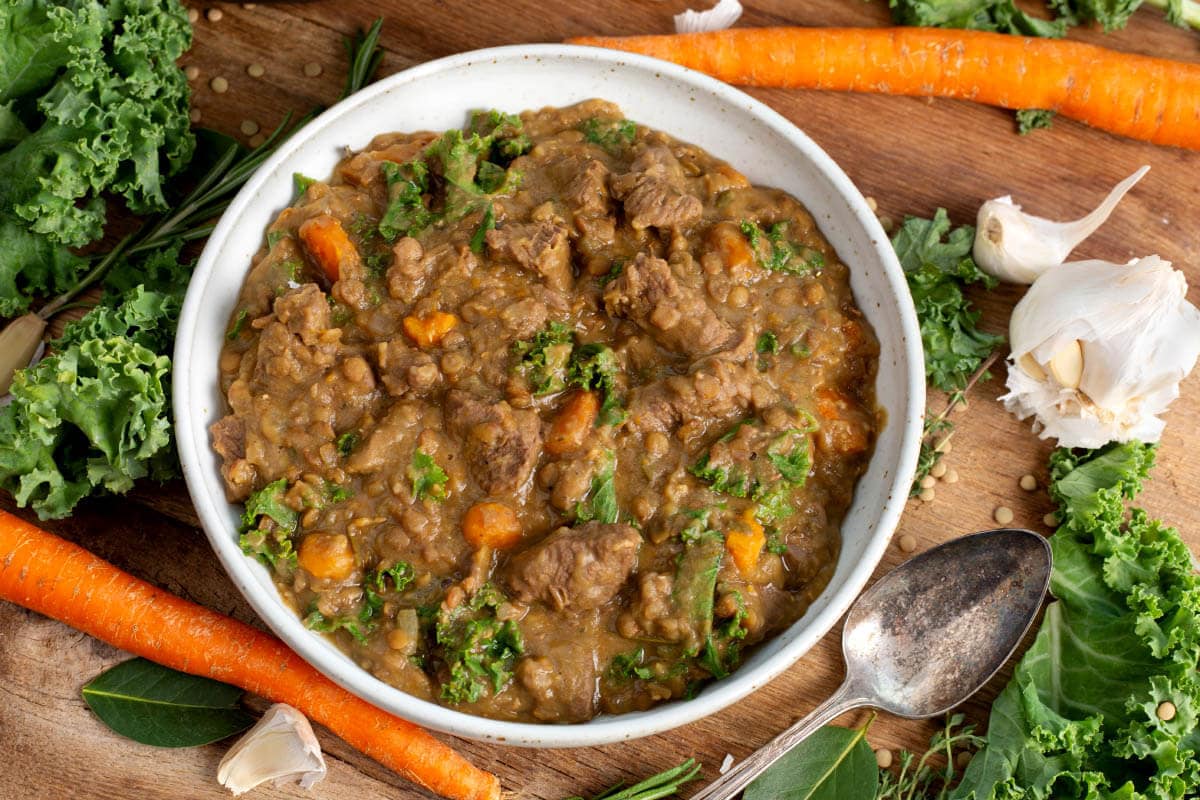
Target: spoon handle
[{"x": 741, "y": 775}]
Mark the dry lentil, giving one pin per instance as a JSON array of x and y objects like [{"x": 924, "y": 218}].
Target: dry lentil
[
  {"x": 191, "y": 71},
  {"x": 193, "y": 15},
  {"x": 926, "y": 495},
  {"x": 1166, "y": 711},
  {"x": 215, "y": 14},
  {"x": 962, "y": 759},
  {"x": 219, "y": 85},
  {"x": 312, "y": 69},
  {"x": 256, "y": 70},
  {"x": 883, "y": 757},
  {"x": 194, "y": 115},
  {"x": 1028, "y": 483},
  {"x": 249, "y": 6},
  {"x": 1050, "y": 521},
  {"x": 908, "y": 542},
  {"x": 939, "y": 470},
  {"x": 951, "y": 476},
  {"x": 871, "y": 204},
  {"x": 257, "y": 139},
  {"x": 249, "y": 127},
  {"x": 1003, "y": 515},
  {"x": 887, "y": 223},
  {"x": 944, "y": 446},
  {"x": 928, "y": 482}
]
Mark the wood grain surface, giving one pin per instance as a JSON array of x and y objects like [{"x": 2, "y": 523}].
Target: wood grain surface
[{"x": 912, "y": 155}]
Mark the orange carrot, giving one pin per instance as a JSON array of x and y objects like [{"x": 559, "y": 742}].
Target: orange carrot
[
  {"x": 428, "y": 331},
  {"x": 44, "y": 573},
  {"x": 326, "y": 241},
  {"x": 573, "y": 423},
  {"x": 1137, "y": 96},
  {"x": 746, "y": 545},
  {"x": 492, "y": 525}
]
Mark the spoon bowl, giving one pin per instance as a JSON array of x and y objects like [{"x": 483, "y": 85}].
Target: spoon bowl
[
  {"x": 926, "y": 637},
  {"x": 933, "y": 631}
]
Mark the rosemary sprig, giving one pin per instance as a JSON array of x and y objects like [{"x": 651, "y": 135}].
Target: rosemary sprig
[{"x": 664, "y": 784}]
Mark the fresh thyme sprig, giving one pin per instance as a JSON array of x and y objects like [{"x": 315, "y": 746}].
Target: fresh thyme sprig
[
  {"x": 664, "y": 784},
  {"x": 916, "y": 779},
  {"x": 939, "y": 430}
]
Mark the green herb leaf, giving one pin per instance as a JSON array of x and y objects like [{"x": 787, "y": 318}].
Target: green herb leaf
[
  {"x": 614, "y": 135},
  {"x": 1030, "y": 119},
  {"x": 545, "y": 358},
  {"x": 358, "y": 628},
  {"x": 601, "y": 501},
  {"x": 777, "y": 253},
  {"x": 164, "y": 708},
  {"x": 1002, "y": 16},
  {"x": 627, "y": 666},
  {"x": 832, "y": 764},
  {"x": 938, "y": 265},
  {"x": 239, "y": 322},
  {"x": 479, "y": 650},
  {"x": 594, "y": 367},
  {"x": 428, "y": 479},
  {"x": 768, "y": 343},
  {"x": 302, "y": 182},
  {"x": 406, "y": 212},
  {"x": 664, "y": 784},
  {"x": 347, "y": 442},
  {"x": 486, "y": 224}
]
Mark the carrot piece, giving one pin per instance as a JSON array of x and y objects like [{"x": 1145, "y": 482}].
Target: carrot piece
[
  {"x": 428, "y": 331},
  {"x": 727, "y": 239},
  {"x": 1142, "y": 97},
  {"x": 573, "y": 423},
  {"x": 52, "y": 576},
  {"x": 492, "y": 525},
  {"x": 326, "y": 242},
  {"x": 328, "y": 556},
  {"x": 745, "y": 546}
]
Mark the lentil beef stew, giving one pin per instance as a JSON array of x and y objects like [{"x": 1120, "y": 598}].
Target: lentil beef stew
[{"x": 551, "y": 417}]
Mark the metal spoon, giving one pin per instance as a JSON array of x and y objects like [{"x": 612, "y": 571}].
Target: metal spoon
[{"x": 924, "y": 638}]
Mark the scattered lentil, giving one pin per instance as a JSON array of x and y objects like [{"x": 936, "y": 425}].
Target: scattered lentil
[
  {"x": 883, "y": 757},
  {"x": 871, "y": 204},
  {"x": 951, "y": 476},
  {"x": 249, "y": 127},
  {"x": 191, "y": 71},
  {"x": 194, "y": 115},
  {"x": 312, "y": 69},
  {"x": 1028, "y": 483},
  {"x": 219, "y": 85},
  {"x": 1050, "y": 520},
  {"x": 908, "y": 542},
  {"x": 961, "y": 406},
  {"x": 939, "y": 469},
  {"x": 928, "y": 482},
  {"x": 257, "y": 139},
  {"x": 887, "y": 223},
  {"x": 214, "y": 14},
  {"x": 963, "y": 759},
  {"x": 944, "y": 447},
  {"x": 926, "y": 495},
  {"x": 193, "y": 15},
  {"x": 249, "y": 6},
  {"x": 1166, "y": 711},
  {"x": 1003, "y": 515},
  {"x": 256, "y": 70}
]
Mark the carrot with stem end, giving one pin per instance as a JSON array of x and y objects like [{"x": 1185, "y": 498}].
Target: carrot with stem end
[
  {"x": 1153, "y": 99},
  {"x": 52, "y": 576}
]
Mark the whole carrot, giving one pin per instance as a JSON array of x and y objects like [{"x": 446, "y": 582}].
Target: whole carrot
[
  {"x": 44, "y": 573},
  {"x": 1154, "y": 99}
]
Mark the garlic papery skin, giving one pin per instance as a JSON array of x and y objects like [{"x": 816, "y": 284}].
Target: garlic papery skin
[
  {"x": 1016, "y": 247},
  {"x": 717, "y": 18},
  {"x": 280, "y": 747},
  {"x": 1099, "y": 350}
]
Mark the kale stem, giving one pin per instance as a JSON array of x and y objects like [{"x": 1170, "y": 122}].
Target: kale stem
[{"x": 94, "y": 274}]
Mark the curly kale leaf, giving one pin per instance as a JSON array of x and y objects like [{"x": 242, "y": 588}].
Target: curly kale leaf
[{"x": 937, "y": 263}]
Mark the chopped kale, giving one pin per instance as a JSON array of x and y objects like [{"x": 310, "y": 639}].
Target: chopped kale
[
  {"x": 594, "y": 367},
  {"x": 614, "y": 135},
  {"x": 478, "y": 650},
  {"x": 239, "y": 322},
  {"x": 316, "y": 621},
  {"x": 545, "y": 358},
  {"x": 777, "y": 253},
  {"x": 347, "y": 442},
  {"x": 406, "y": 211},
  {"x": 428, "y": 479},
  {"x": 768, "y": 343},
  {"x": 302, "y": 183},
  {"x": 601, "y": 501},
  {"x": 486, "y": 224},
  {"x": 628, "y": 666}
]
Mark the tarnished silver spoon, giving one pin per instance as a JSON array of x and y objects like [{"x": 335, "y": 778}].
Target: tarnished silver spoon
[{"x": 924, "y": 638}]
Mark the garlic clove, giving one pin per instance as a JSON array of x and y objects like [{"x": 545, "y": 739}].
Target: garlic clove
[
  {"x": 1066, "y": 366},
  {"x": 280, "y": 747},
  {"x": 1017, "y": 247},
  {"x": 1028, "y": 363},
  {"x": 19, "y": 343},
  {"x": 717, "y": 18}
]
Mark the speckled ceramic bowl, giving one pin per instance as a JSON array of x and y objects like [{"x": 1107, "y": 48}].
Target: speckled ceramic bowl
[{"x": 688, "y": 105}]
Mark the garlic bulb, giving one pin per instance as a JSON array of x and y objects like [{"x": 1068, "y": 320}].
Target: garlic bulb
[
  {"x": 1017, "y": 247},
  {"x": 717, "y": 18},
  {"x": 280, "y": 747},
  {"x": 1099, "y": 350}
]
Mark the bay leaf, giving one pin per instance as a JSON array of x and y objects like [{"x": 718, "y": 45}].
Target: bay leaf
[
  {"x": 158, "y": 706},
  {"x": 833, "y": 764}
]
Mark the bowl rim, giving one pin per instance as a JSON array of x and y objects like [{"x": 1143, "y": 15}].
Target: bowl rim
[{"x": 191, "y": 437}]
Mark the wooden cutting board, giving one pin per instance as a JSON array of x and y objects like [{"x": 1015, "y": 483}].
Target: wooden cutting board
[{"x": 911, "y": 155}]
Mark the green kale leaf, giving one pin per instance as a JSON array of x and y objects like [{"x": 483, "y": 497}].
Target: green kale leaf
[
  {"x": 428, "y": 479},
  {"x": 1002, "y": 16},
  {"x": 601, "y": 501},
  {"x": 614, "y": 135},
  {"x": 478, "y": 650},
  {"x": 937, "y": 264},
  {"x": 1031, "y": 119},
  {"x": 544, "y": 359},
  {"x": 777, "y": 253},
  {"x": 594, "y": 367}
]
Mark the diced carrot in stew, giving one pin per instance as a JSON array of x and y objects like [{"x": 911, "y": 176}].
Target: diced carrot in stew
[
  {"x": 745, "y": 545},
  {"x": 573, "y": 423},
  {"x": 492, "y": 525},
  {"x": 428, "y": 331},
  {"x": 732, "y": 246},
  {"x": 326, "y": 242},
  {"x": 328, "y": 556}
]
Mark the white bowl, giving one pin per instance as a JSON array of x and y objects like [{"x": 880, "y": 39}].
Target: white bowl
[{"x": 693, "y": 107}]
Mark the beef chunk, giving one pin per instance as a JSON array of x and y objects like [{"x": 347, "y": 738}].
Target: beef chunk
[
  {"x": 406, "y": 370},
  {"x": 587, "y": 190},
  {"x": 674, "y": 313},
  {"x": 718, "y": 389},
  {"x": 501, "y": 444},
  {"x": 541, "y": 247},
  {"x": 654, "y": 193},
  {"x": 229, "y": 440},
  {"x": 560, "y": 694},
  {"x": 581, "y": 568},
  {"x": 390, "y": 444},
  {"x": 305, "y": 312}
]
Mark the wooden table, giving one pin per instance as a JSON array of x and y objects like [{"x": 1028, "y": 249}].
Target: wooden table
[{"x": 912, "y": 155}]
